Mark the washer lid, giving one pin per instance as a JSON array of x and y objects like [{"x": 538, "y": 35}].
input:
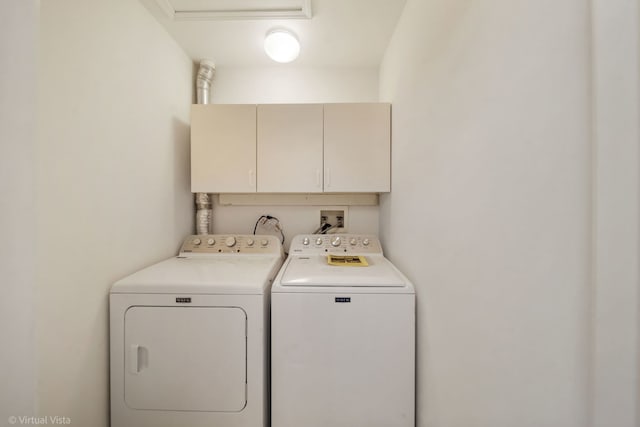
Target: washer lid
[
  {"x": 230, "y": 275},
  {"x": 315, "y": 271}
]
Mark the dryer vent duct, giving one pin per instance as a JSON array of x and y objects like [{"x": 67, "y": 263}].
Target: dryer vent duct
[
  {"x": 204, "y": 214},
  {"x": 204, "y": 81},
  {"x": 204, "y": 211}
]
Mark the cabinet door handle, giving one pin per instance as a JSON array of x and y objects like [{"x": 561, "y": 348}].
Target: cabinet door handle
[
  {"x": 318, "y": 180},
  {"x": 327, "y": 178},
  {"x": 252, "y": 179}
]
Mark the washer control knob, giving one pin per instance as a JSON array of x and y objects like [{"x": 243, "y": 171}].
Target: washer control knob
[
  {"x": 211, "y": 242},
  {"x": 250, "y": 242},
  {"x": 319, "y": 241},
  {"x": 196, "y": 241},
  {"x": 305, "y": 241},
  {"x": 230, "y": 241},
  {"x": 366, "y": 242},
  {"x": 264, "y": 242},
  {"x": 353, "y": 241},
  {"x": 336, "y": 241}
]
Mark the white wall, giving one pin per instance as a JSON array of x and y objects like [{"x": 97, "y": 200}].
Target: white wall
[
  {"x": 18, "y": 38},
  {"x": 290, "y": 84},
  {"x": 490, "y": 210},
  {"x": 294, "y": 219},
  {"x": 113, "y": 183},
  {"x": 617, "y": 213}
]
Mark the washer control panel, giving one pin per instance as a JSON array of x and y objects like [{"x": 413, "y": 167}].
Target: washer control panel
[
  {"x": 335, "y": 243},
  {"x": 212, "y": 244}
]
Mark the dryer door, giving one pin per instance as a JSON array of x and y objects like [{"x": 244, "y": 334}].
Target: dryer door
[{"x": 185, "y": 358}]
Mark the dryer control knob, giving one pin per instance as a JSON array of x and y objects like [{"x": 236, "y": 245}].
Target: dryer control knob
[
  {"x": 264, "y": 242},
  {"x": 319, "y": 241},
  {"x": 365, "y": 242},
  {"x": 250, "y": 242},
  {"x": 336, "y": 241},
  {"x": 211, "y": 242},
  {"x": 196, "y": 241},
  {"x": 353, "y": 242},
  {"x": 305, "y": 241},
  {"x": 230, "y": 241}
]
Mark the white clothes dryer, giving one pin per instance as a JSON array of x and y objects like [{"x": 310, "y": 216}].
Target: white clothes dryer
[
  {"x": 342, "y": 336},
  {"x": 189, "y": 336}
]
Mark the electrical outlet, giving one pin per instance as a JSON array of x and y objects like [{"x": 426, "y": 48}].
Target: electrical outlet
[{"x": 336, "y": 217}]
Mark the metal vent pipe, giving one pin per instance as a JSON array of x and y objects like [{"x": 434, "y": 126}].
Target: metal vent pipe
[
  {"x": 204, "y": 209},
  {"x": 204, "y": 81}
]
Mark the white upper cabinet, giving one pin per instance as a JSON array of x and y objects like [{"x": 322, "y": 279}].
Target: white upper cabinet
[
  {"x": 290, "y": 148},
  {"x": 357, "y": 148},
  {"x": 223, "y": 148}
]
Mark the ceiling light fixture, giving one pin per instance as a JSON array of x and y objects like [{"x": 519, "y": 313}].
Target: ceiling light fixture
[{"x": 281, "y": 45}]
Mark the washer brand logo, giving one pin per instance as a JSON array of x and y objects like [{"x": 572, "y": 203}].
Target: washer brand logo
[
  {"x": 343, "y": 299},
  {"x": 183, "y": 300}
]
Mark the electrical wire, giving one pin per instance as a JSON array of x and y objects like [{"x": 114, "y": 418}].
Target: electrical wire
[
  {"x": 275, "y": 223},
  {"x": 329, "y": 228},
  {"x": 324, "y": 227}
]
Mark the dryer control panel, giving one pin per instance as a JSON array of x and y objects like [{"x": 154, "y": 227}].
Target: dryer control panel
[
  {"x": 335, "y": 243},
  {"x": 212, "y": 244}
]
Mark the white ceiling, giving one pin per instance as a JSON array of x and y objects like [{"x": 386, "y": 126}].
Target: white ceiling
[{"x": 344, "y": 33}]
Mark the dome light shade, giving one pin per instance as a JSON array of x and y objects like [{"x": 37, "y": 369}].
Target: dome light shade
[{"x": 281, "y": 45}]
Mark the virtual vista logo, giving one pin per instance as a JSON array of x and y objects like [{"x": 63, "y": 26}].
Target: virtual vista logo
[{"x": 32, "y": 421}]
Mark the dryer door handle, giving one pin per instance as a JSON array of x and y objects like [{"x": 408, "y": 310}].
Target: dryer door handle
[{"x": 136, "y": 355}]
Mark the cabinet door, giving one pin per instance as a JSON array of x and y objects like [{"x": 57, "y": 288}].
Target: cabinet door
[
  {"x": 223, "y": 148},
  {"x": 357, "y": 147},
  {"x": 290, "y": 148}
]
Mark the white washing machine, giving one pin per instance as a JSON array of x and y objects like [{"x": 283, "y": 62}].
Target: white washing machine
[
  {"x": 189, "y": 336},
  {"x": 342, "y": 337}
]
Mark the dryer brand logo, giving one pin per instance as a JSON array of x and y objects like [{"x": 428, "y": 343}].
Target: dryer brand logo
[
  {"x": 183, "y": 300},
  {"x": 343, "y": 299}
]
